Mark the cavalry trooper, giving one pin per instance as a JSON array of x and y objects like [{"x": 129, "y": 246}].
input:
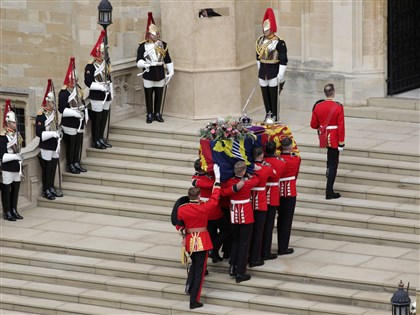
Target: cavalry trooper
[
  {"x": 72, "y": 107},
  {"x": 272, "y": 63},
  {"x": 11, "y": 165},
  {"x": 152, "y": 54},
  {"x": 98, "y": 79},
  {"x": 47, "y": 129}
]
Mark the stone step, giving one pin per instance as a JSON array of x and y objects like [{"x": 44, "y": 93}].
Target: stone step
[
  {"x": 384, "y": 113},
  {"x": 308, "y": 158},
  {"x": 358, "y": 191},
  {"x": 394, "y": 102},
  {"x": 306, "y": 172},
  {"x": 132, "y": 278},
  {"x": 323, "y": 261},
  {"x": 357, "y": 220}
]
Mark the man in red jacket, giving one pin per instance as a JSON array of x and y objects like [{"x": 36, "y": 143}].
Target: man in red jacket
[
  {"x": 287, "y": 197},
  {"x": 193, "y": 221},
  {"x": 242, "y": 218},
  {"x": 328, "y": 118}
]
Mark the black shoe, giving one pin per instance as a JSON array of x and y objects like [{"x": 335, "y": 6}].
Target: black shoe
[
  {"x": 98, "y": 145},
  {"x": 215, "y": 256},
  {"x": 286, "y": 252},
  {"x": 334, "y": 195},
  {"x": 232, "y": 271},
  {"x": 55, "y": 193},
  {"x": 72, "y": 169},
  {"x": 105, "y": 143},
  {"x": 48, "y": 195},
  {"x": 195, "y": 305},
  {"x": 271, "y": 257},
  {"x": 80, "y": 168},
  {"x": 8, "y": 216},
  {"x": 256, "y": 263},
  {"x": 149, "y": 118},
  {"x": 158, "y": 117},
  {"x": 206, "y": 272},
  {"x": 16, "y": 214},
  {"x": 188, "y": 289},
  {"x": 242, "y": 277}
]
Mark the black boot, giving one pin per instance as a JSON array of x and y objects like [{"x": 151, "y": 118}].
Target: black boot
[
  {"x": 266, "y": 98},
  {"x": 78, "y": 153},
  {"x": 149, "y": 118},
  {"x": 158, "y": 117},
  {"x": 96, "y": 144},
  {"x": 104, "y": 122},
  {"x": 80, "y": 168},
  {"x": 48, "y": 195},
  {"x": 72, "y": 169},
  {"x": 232, "y": 270},
  {"x": 14, "y": 196},
  {"x": 55, "y": 193},
  {"x": 273, "y": 101},
  {"x": 5, "y": 200},
  {"x": 96, "y": 127},
  {"x": 148, "y": 94},
  {"x": 158, "y": 103},
  {"x": 242, "y": 277}
]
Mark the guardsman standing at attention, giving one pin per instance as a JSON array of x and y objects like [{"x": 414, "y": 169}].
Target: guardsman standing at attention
[
  {"x": 47, "y": 129},
  {"x": 11, "y": 165},
  {"x": 193, "y": 221},
  {"x": 152, "y": 54},
  {"x": 288, "y": 195},
  {"x": 71, "y": 106},
  {"x": 272, "y": 63},
  {"x": 328, "y": 118},
  {"x": 98, "y": 79}
]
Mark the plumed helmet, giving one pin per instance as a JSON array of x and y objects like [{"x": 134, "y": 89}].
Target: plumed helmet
[
  {"x": 151, "y": 27},
  {"x": 71, "y": 74},
  {"x": 49, "y": 95},
  {"x": 269, "y": 21},
  {"x": 10, "y": 117},
  {"x": 6, "y": 116},
  {"x": 99, "y": 46}
]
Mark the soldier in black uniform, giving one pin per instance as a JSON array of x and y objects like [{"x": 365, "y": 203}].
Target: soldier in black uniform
[
  {"x": 98, "y": 79},
  {"x": 272, "y": 63},
  {"x": 152, "y": 54},
  {"x": 71, "y": 106},
  {"x": 11, "y": 165},
  {"x": 46, "y": 128}
]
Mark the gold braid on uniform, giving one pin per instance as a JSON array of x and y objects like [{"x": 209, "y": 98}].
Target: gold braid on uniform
[
  {"x": 161, "y": 51},
  {"x": 263, "y": 49}
]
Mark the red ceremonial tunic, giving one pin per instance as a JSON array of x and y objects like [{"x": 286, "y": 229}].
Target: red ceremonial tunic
[
  {"x": 259, "y": 192},
  {"x": 289, "y": 176},
  {"x": 240, "y": 203},
  {"x": 273, "y": 190},
  {"x": 328, "y": 118},
  {"x": 195, "y": 216},
  {"x": 205, "y": 183}
]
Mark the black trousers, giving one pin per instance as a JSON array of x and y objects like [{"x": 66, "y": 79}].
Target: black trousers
[
  {"x": 219, "y": 230},
  {"x": 332, "y": 166},
  {"x": 268, "y": 231},
  {"x": 196, "y": 275},
  {"x": 153, "y": 105},
  {"x": 257, "y": 235},
  {"x": 284, "y": 221},
  {"x": 241, "y": 238}
]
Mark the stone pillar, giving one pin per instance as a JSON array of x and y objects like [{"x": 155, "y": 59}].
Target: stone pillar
[{"x": 215, "y": 69}]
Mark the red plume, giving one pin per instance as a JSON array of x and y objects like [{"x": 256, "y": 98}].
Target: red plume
[
  {"x": 269, "y": 14},
  {"x": 150, "y": 20},
  {"x": 49, "y": 88},
  {"x": 96, "y": 51},
  {"x": 6, "y": 110},
  {"x": 69, "y": 79}
]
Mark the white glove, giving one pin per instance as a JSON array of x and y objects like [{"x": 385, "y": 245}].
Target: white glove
[
  {"x": 71, "y": 112},
  {"x": 340, "y": 149},
  {"x": 7, "y": 157},
  {"x": 280, "y": 75},
  {"x": 142, "y": 64},
  {"x": 216, "y": 170},
  {"x": 170, "y": 67},
  {"x": 99, "y": 86},
  {"x": 258, "y": 64},
  {"x": 49, "y": 134}
]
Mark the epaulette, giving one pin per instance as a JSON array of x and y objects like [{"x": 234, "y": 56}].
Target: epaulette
[
  {"x": 339, "y": 103},
  {"x": 142, "y": 42},
  {"x": 91, "y": 61},
  {"x": 3, "y": 133},
  {"x": 40, "y": 112},
  {"x": 316, "y": 103}
]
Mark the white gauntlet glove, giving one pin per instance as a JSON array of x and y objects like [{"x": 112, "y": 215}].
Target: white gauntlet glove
[
  {"x": 170, "y": 67},
  {"x": 7, "y": 157},
  {"x": 216, "y": 170},
  {"x": 99, "y": 87},
  {"x": 142, "y": 64},
  {"x": 71, "y": 112},
  {"x": 49, "y": 134},
  {"x": 280, "y": 75}
]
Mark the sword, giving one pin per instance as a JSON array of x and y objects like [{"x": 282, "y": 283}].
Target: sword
[
  {"x": 164, "y": 97},
  {"x": 279, "y": 89},
  {"x": 250, "y": 96}
]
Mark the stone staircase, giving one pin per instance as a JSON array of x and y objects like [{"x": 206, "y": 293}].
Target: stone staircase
[{"x": 107, "y": 246}]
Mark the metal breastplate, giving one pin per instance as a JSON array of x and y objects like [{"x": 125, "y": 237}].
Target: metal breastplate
[
  {"x": 266, "y": 50},
  {"x": 50, "y": 121},
  {"x": 154, "y": 52},
  {"x": 99, "y": 71}
]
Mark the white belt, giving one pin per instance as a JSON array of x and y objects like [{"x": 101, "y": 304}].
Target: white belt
[
  {"x": 204, "y": 199},
  {"x": 237, "y": 202},
  {"x": 258, "y": 188},
  {"x": 331, "y": 127},
  {"x": 272, "y": 184},
  {"x": 287, "y": 178}
]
